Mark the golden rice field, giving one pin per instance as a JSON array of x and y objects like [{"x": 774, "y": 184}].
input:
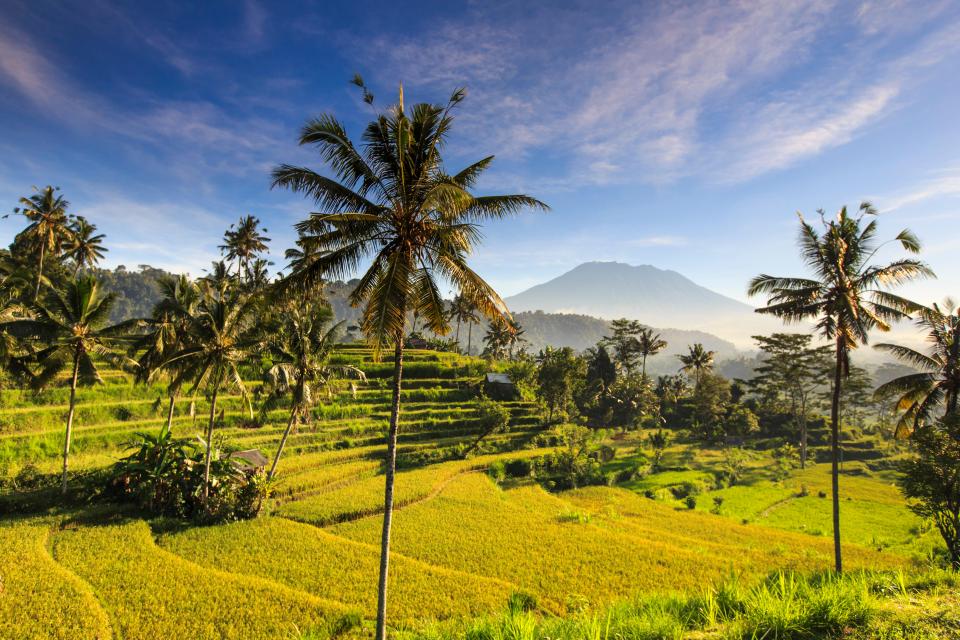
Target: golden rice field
[{"x": 462, "y": 543}]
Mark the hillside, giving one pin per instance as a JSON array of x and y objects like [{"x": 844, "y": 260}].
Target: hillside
[{"x": 656, "y": 297}]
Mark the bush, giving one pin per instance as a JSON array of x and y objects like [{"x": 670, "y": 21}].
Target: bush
[
  {"x": 691, "y": 502},
  {"x": 521, "y": 601},
  {"x": 519, "y": 468}
]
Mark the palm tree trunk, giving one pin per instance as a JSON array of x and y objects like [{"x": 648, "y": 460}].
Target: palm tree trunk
[
  {"x": 36, "y": 292},
  {"x": 458, "y": 335},
  {"x": 644, "y": 366},
  {"x": 283, "y": 441},
  {"x": 835, "y": 455},
  {"x": 173, "y": 400},
  {"x": 73, "y": 398},
  {"x": 206, "y": 464},
  {"x": 470, "y": 338},
  {"x": 391, "y": 465},
  {"x": 803, "y": 434}
]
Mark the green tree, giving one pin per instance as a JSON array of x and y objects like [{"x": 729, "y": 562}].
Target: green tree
[
  {"x": 69, "y": 331},
  {"x": 559, "y": 373},
  {"x": 932, "y": 480},
  {"x": 393, "y": 201},
  {"x": 168, "y": 332},
  {"x": 790, "y": 374},
  {"x": 223, "y": 334},
  {"x": 847, "y": 296},
  {"x": 49, "y": 227},
  {"x": 937, "y": 384},
  {"x": 300, "y": 362},
  {"x": 463, "y": 312},
  {"x": 649, "y": 344},
  {"x": 83, "y": 245},
  {"x": 624, "y": 342},
  {"x": 243, "y": 242},
  {"x": 695, "y": 362}
]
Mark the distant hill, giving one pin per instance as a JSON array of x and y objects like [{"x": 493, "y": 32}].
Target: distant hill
[
  {"x": 136, "y": 291},
  {"x": 656, "y": 297}
]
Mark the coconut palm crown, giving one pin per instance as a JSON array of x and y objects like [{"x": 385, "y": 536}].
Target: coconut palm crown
[{"x": 937, "y": 384}]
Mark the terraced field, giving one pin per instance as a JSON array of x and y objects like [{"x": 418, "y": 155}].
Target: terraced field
[{"x": 463, "y": 544}]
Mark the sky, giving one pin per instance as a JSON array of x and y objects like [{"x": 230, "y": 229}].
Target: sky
[{"x": 683, "y": 135}]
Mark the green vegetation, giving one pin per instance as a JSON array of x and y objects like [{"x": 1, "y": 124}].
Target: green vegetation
[{"x": 238, "y": 469}]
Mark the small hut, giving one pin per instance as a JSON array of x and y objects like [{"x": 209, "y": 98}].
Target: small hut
[{"x": 499, "y": 386}]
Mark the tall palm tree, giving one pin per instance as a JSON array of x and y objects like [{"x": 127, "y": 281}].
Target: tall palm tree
[
  {"x": 300, "y": 354},
  {"x": 84, "y": 245},
  {"x": 49, "y": 226},
  {"x": 243, "y": 242},
  {"x": 69, "y": 329},
  {"x": 696, "y": 361},
  {"x": 649, "y": 344},
  {"x": 463, "y": 311},
  {"x": 168, "y": 333},
  {"x": 222, "y": 336},
  {"x": 497, "y": 340},
  {"x": 393, "y": 201},
  {"x": 938, "y": 382},
  {"x": 847, "y": 296}
]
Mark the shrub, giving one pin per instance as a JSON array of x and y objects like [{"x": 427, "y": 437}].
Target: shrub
[
  {"x": 521, "y": 601},
  {"x": 691, "y": 502},
  {"x": 519, "y": 468}
]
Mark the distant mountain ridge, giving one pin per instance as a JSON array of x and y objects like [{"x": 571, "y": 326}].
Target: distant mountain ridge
[{"x": 655, "y": 297}]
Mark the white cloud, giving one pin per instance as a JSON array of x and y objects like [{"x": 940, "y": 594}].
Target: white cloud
[
  {"x": 945, "y": 185},
  {"x": 661, "y": 91}
]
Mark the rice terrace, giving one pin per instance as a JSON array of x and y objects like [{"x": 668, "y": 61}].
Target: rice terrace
[{"x": 394, "y": 360}]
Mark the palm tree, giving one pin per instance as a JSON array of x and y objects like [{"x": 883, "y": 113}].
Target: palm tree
[
  {"x": 649, "y": 344},
  {"x": 243, "y": 242},
  {"x": 222, "y": 335},
  {"x": 497, "y": 340},
  {"x": 392, "y": 201},
  {"x": 69, "y": 326},
  {"x": 938, "y": 382},
  {"x": 84, "y": 245},
  {"x": 847, "y": 296},
  {"x": 696, "y": 361},
  {"x": 49, "y": 226},
  {"x": 169, "y": 333},
  {"x": 462, "y": 310},
  {"x": 300, "y": 354}
]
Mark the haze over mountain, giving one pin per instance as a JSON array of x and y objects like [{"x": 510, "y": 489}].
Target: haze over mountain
[{"x": 656, "y": 297}]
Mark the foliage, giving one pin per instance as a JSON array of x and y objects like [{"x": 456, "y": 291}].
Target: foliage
[
  {"x": 937, "y": 384},
  {"x": 165, "y": 475},
  {"x": 559, "y": 374},
  {"x": 932, "y": 480}
]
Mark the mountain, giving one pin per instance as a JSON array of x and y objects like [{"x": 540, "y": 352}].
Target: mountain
[{"x": 655, "y": 297}]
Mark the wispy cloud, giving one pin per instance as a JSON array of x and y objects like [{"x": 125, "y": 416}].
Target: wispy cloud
[
  {"x": 722, "y": 90},
  {"x": 946, "y": 184}
]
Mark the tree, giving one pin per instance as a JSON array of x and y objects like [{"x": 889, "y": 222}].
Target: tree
[
  {"x": 560, "y": 370},
  {"x": 649, "y": 344},
  {"x": 84, "y": 245},
  {"x": 624, "y": 342},
  {"x": 300, "y": 354},
  {"x": 696, "y": 361},
  {"x": 70, "y": 333},
  {"x": 790, "y": 373},
  {"x": 856, "y": 395},
  {"x": 847, "y": 296},
  {"x": 937, "y": 384},
  {"x": 392, "y": 201},
  {"x": 932, "y": 480},
  {"x": 49, "y": 226},
  {"x": 243, "y": 242},
  {"x": 222, "y": 335},
  {"x": 462, "y": 311},
  {"x": 168, "y": 333},
  {"x": 496, "y": 340}
]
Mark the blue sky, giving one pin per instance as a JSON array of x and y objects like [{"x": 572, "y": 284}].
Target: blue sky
[{"x": 683, "y": 135}]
